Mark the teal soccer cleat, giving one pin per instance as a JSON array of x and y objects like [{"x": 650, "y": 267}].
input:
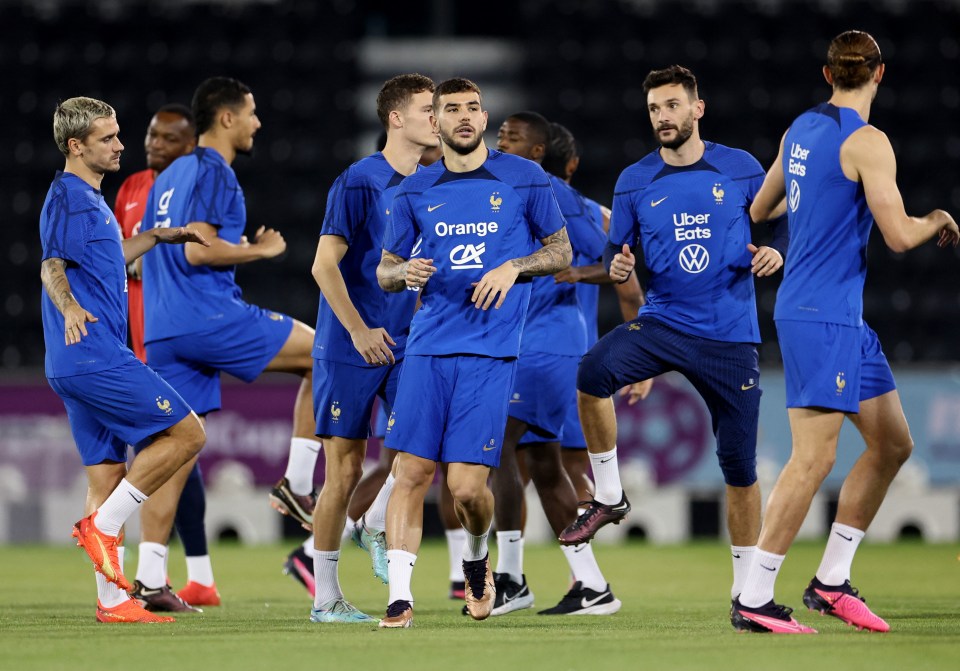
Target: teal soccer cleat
[
  {"x": 375, "y": 543},
  {"x": 339, "y": 611}
]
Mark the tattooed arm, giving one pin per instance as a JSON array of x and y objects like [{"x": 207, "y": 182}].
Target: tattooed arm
[
  {"x": 394, "y": 274},
  {"x": 53, "y": 274},
  {"x": 554, "y": 256}
]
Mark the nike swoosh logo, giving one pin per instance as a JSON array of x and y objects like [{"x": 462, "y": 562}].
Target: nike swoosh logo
[
  {"x": 586, "y": 603},
  {"x": 159, "y": 554},
  {"x": 522, "y": 592},
  {"x": 487, "y": 448},
  {"x": 654, "y": 203},
  {"x": 135, "y": 498},
  {"x": 745, "y": 387},
  {"x": 431, "y": 208},
  {"x": 513, "y": 540},
  {"x": 332, "y": 559},
  {"x": 603, "y": 461},
  {"x": 130, "y": 206},
  {"x": 579, "y": 548},
  {"x": 846, "y": 538},
  {"x": 515, "y": 400},
  {"x": 772, "y": 622},
  {"x": 767, "y": 567},
  {"x": 736, "y": 556}
]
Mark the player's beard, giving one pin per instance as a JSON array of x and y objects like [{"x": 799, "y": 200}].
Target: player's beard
[
  {"x": 462, "y": 149},
  {"x": 683, "y": 134}
]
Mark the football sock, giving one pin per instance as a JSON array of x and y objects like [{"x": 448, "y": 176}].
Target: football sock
[
  {"x": 400, "y": 570},
  {"x": 152, "y": 564},
  {"x": 121, "y": 504},
  {"x": 758, "y": 587},
  {"x": 838, "y": 555},
  {"x": 347, "y": 529},
  {"x": 456, "y": 538},
  {"x": 375, "y": 518},
  {"x": 584, "y": 567},
  {"x": 301, "y": 464},
  {"x": 109, "y": 594},
  {"x": 325, "y": 575},
  {"x": 200, "y": 570},
  {"x": 606, "y": 477},
  {"x": 742, "y": 556},
  {"x": 309, "y": 548},
  {"x": 475, "y": 547},
  {"x": 510, "y": 554}
]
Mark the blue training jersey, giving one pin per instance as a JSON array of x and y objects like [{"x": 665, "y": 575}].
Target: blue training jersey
[
  {"x": 77, "y": 226},
  {"x": 357, "y": 209},
  {"x": 555, "y": 321},
  {"x": 470, "y": 223},
  {"x": 588, "y": 295},
  {"x": 829, "y": 222},
  {"x": 179, "y": 298},
  {"x": 693, "y": 223}
]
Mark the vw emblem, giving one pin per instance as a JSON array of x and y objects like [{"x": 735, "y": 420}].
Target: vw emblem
[
  {"x": 794, "y": 195},
  {"x": 694, "y": 258}
]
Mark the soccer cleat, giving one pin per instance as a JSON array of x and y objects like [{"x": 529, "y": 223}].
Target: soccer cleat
[
  {"x": 160, "y": 599},
  {"x": 128, "y": 611},
  {"x": 582, "y": 600},
  {"x": 770, "y": 618},
  {"x": 399, "y": 616},
  {"x": 596, "y": 516},
  {"x": 479, "y": 590},
  {"x": 457, "y": 590},
  {"x": 200, "y": 595},
  {"x": 339, "y": 611},
  {"x": 298, "y": 506},
  {"x": 843, "y": 602},
  {"x": 299, "y": 566},
  {"x": 511, "y": 596},
  {"x": 375, "y": 543},
  {"x": 102, "y": 550}
]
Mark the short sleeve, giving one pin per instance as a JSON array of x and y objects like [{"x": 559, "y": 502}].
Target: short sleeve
[
  {"x": 623, "y": 220},
  {"x": 348, "y": 203},
  {"x": 67, "y": 228},
  {"x": 588, "y": 239},
  {"x": 542, "y": 209},
  {"x": 401, "y": 231},
  {"x": 215, "y": 189}
]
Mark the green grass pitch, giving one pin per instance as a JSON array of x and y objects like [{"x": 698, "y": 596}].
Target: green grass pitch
[{"x": 674, "y": 616}]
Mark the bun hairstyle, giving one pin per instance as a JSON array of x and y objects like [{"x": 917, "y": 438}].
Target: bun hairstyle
[{"x": 852, "y": 59}]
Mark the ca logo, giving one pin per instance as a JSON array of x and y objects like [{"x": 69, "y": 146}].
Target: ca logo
[
  {"x": 467, "y": 256},
  {"x": 694, "y": 258}
]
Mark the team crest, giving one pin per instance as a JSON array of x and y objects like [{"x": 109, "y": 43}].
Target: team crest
[
  {"x": 335, "y": 411},
  {"x": 495, "y": 201},
  {"x": 391, "y": 421},
  {"x": 841, "y": 383},
  {"x": 633, "y": 327},
  {"x": 718, "y": 193},
  {"x": 164, "y": 404},
  {"x": 275, "y": 316}
]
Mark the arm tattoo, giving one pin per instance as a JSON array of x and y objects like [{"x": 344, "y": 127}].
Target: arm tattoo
[
  {"x": 555, "y": 255},
  {"x": 391, "y": 273},
  {"x": 54, "y": 278}
]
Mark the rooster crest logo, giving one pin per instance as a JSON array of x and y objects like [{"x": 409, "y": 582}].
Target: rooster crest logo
[
  {"x": 718, "y": 193},
  {"x": 633, "y": 327},
  {"x": 495, "y": 201},
  {"x": 841, "y": 383},
  {"x": 335, "y": 410},
  {"x": 391, "y": 421},
  {"x": 164, "y": 404}
]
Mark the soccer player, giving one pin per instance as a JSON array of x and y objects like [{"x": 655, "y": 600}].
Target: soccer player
[
  {"x": 88, "y": 363},
  {"x": 197, "y": 323},
  {"x": 170, "y": 135},
  {"x": 838, "y": 174},
  {"x": 554, "y": 338},
  {"x": 686, "y": 205},
  {"x": 361, "y": 333},
  {"x": 478, "y": 215}
]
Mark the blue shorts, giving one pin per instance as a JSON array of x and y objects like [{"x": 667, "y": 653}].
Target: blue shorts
[
  {"x": 380, "y": 423},
  {"x": 343, "y": 396},
  {"x": 452, "y": 409},
  {"x": 573, "y": 438},
  {"x": 544, "y": 389},
  {"x": 244, "y": 347},
  {"x": 114, "y": 408},
  {"x": 832, "y": 366},
  {"x": 726, "y": 374}
]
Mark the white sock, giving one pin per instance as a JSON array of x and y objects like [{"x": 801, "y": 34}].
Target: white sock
[
  {"x": 309, "y": 548},
  {"x": 758, "y": 587},
  {"x": 301, "y": 464},
  {"x": 151, "y": 565},
  {"x": 510, "y": 554},
  {"x": 475, "y": 547},
  {"x": 376, "y": 517},
  {"x": 742, "y": 556},
  {"x": 325, "y": 563},
  {"x": 200, "y": 570},
  {"x": 108, "y": 594},
  {"x": 347, "y": 529},
  {"x": 456, "y": 538},
  {"x": 123, "y": 502},
  {"x": 400, "y": 570},
  {"x": 606, "y": 477},
  {"x": 584, "y": 567},
  {"x": 838, "y": 556}
]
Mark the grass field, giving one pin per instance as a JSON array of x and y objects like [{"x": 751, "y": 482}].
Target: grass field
[{"x": 674, "y": 616}]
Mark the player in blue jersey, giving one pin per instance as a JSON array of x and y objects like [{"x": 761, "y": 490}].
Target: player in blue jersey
[
  {"x": 197, "y": 324},
  {"x": 686, "y": 205},
  {"x": 361, "y": 332},
  {"x": 475, "y": 218},
  {"x": 554, "y": 338},
  {"x": 838, "y": 174},
  {"x": 112, "y": 399}
]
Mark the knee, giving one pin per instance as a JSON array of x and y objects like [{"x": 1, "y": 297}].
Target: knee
[
  {"x": 739, "y": 472},
  {"x": 901, "y": 450},
  {"x": 593, "y": 379},
  {"x": 190, "y": 436},
  {"x": 815, "y": 466},
  {"x": 467, "y": 493}
]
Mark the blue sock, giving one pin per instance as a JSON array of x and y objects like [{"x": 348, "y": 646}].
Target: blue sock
[{"x": 190, "y": 513}]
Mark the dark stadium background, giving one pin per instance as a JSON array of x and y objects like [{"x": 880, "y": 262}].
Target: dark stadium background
[{"x": 579, "y": 63}]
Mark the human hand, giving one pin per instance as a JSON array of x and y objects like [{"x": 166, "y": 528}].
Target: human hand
[
  {"x": 766, "y": 260},
  {"x": 75, "y": 320},
  {"x": 374, "y": 345},
  {"x": 179, "y": 235},
  {"x": 269, "y": 242},
  {"x": 497, "y": 281},
  {"x": 637, "y": 391},
  {"x": 418, "y": 271},
  {"x": 622, "y": 265}
]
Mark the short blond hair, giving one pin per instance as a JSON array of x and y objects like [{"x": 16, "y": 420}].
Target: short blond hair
[{"x": 74, "y": 118}]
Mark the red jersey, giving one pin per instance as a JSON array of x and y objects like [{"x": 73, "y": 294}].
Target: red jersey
[{"x": 131, "y": 200}]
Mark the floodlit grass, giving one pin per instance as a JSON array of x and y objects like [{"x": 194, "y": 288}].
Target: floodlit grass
[{"x": 675, "y": 616}]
